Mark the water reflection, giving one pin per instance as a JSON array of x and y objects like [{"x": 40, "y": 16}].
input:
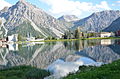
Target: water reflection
[
  {"x": 42, "y": 54},
  {"x": 62, "y": 68},
  {"x": 107, "y": 42}
]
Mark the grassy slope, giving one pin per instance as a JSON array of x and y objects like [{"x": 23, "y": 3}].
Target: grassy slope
[
  {"x": 23, "y": 72},
  {"x": 25, "y": 29},
  {"x": 108, "y": 71}
]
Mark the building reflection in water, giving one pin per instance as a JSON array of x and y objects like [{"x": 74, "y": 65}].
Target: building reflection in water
[
  {"x": 4, "y": 50},
  {"x": 107, "y": 42}
]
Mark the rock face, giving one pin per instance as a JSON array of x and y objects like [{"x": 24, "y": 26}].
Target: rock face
[
  {"x": 115, "y": 26},
  {"x": 68, "y": 18},
  {"x": 24, "y": 14},
  {"x": 97, "y": 21}
]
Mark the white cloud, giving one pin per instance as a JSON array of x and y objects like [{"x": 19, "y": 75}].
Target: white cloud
[
  {"x": 118, "y": 2},
  {"x": 63, "y": 7},
  {"x": 103, "y": 5},
  {"x": 3, "y": 4},
  {"x": 113, "y": 4}
]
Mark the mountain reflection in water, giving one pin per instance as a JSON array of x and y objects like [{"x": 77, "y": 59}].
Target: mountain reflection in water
[{"x": 43, "y": 55}]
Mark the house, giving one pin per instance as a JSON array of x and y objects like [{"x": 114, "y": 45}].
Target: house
[
  {"x": 31, "y": 39},
  {"x": 12, "y": 38},
  {"x": 3, "y": 42},
  {"x": 39, "y": 39},
  {"x": 106, "y": 34}
]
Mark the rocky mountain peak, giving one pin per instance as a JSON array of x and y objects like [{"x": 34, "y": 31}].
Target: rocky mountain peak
[
  {"x": 23, "y": 15},
  {"x": 22, "y": 1},
  {"x": 68, "y": 18},
  {"x": 5, "y": 9},
  {"x": 25, "y": 4},
  {"x": 98, "y": 21}
]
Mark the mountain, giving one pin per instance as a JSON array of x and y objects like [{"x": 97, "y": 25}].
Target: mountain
[
  {"x": 68, "y": 18},
  {"x": 4, "y": 10},
  {"x": 105, "y": 54},
  {"x": 115, "y": 26},
  {"x": 24, "y": 18},
  {"x": 97, "y": 21}
]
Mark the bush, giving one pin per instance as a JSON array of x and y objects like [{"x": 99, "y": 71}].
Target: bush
[
  {"x": 36, "y": 74},
  {"x": 23, "y": 72}
]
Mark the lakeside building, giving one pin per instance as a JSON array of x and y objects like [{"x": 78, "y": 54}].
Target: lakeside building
[
  {"x": 9, "y": 39},
  {"x": 106, "y": 34},
  {"x": 12, "y": 38},
  {"x": 34, "y": 39},
  {"x": 31, "y": 39}
]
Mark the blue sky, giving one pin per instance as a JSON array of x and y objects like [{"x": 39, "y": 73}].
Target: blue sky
[{"x": 80, "y": 8}]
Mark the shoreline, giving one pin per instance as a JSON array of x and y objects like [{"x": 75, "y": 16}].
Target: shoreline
[{"x": 21, "y": 42}]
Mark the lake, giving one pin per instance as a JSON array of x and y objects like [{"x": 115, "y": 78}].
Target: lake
[{"x": 60, "y": 58}]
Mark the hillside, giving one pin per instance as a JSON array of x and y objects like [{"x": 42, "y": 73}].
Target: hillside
[
  {"x": 38, "y": 20},
  {"x": 115, "y": 26},
  {"x": 97, "y": 21}
]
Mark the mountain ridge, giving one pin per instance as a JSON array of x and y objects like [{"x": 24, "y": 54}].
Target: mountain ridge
[
  {"x": 23, "y": 11},
  {"x": 97, "y": 21},
  {"x": 115, "y": 26},
  {"x": 68, "y": 18}
]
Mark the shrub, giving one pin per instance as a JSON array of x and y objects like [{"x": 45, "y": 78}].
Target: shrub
[{"x": 23, "y": 72}]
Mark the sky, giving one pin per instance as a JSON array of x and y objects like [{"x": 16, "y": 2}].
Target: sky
[{"x": 80, "y": 8}]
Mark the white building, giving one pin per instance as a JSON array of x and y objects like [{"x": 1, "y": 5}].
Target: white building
[
  {"x": 106, "y": 34},
  {"x": 31, "y": 39},
  {"x": 13, "y": 38},
  {"x": 39, "y": 39}
]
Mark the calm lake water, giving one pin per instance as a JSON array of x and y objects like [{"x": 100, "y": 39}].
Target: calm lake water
[{"x": 60, "y": 58}]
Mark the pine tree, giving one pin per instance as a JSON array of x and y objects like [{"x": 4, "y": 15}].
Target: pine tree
[{"x": 77, "y": 33}]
